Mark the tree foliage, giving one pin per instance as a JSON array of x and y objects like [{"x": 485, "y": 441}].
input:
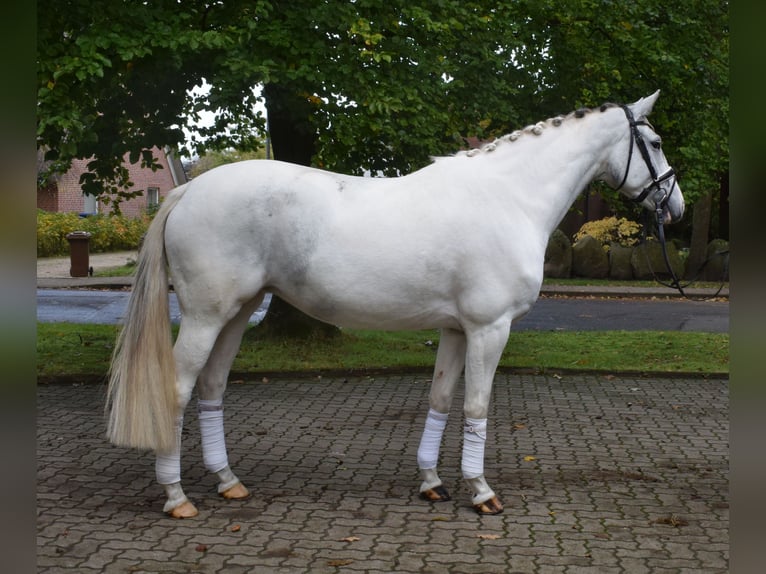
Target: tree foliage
[
  {"x": 384, "y": 85},
  {"x": 214, "y": 158}
]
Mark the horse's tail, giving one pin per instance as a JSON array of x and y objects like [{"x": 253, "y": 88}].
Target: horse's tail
[{"x": 141, "y": 398}]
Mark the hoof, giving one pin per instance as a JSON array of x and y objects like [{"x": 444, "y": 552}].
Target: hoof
[
  {"x": 236, "y": 492},
  {"x": 436, "y": 494},
  {"x": 184, "y": 510},
  {"x": 489, "y": 507}
]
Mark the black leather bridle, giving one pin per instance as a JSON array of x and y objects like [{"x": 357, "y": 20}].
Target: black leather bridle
[{"x": 659, "y": 196}]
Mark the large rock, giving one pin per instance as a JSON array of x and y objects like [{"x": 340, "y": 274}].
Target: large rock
[
  {"x": 589, "y": 258},
  {"x": 648, "y": 262},
  {"x": 619, "y": 262},
  {"x": 717, "y": 266},
  {"x": 558, "y": 256}
]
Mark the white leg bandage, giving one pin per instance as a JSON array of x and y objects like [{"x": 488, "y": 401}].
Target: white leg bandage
[
  {"x": 211, "y": 428},
  {"x": 474, "y": 439},
  {"x": 428, "y": 452},
  {"x": 168, "y": 465}
]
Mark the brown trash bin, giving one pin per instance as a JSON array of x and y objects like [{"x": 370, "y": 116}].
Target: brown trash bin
[{"x": 79, "y": 253}]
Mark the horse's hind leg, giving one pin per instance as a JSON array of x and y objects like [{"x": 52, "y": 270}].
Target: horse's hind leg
[
  {"x": 450, "y": 359},
  {"x": 195, "y": 341},
  {"x": 211, "y": 387}
]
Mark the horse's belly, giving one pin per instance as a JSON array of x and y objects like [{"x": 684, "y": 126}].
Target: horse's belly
[{"x": 372, "y": 309}]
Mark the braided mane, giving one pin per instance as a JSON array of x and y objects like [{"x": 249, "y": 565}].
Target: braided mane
[{"x": 534, "y": 129}]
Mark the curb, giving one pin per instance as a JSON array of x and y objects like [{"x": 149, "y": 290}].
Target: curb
[{"x": 546, "y": 290}]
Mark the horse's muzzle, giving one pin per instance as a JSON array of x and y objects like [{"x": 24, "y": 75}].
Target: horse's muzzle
[{"x": 668, "y": 200}]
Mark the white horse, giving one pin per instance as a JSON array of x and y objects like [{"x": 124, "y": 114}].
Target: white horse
[{"x": 458, "y": 245}]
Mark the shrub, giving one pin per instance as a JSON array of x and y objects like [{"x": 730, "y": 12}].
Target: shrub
[
  {"x": 108, "y": 232},
  {"x": 611, "y": 230}
]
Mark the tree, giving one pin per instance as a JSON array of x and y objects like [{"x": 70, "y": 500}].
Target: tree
[
  {"x": 371, "y": 86},
  {"x": 214, "y": 158},
  {"x": 115, "y": 78},
  {"x": 630, "y": 50}
]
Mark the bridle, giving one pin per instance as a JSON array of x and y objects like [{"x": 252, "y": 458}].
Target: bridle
[{"x": 659, "y": 196}]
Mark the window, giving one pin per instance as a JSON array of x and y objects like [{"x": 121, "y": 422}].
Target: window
[
  {"x": 89, "y": 204},
  {"x": 152, "y": 197}
]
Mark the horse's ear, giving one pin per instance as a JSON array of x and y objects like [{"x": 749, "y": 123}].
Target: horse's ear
[{"x": 643, "y": 107}]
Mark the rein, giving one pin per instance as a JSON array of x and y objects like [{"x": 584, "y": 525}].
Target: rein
[{"x": 675, "y": 283}]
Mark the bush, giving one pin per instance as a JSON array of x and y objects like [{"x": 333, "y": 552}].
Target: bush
[
  {"x": 108, "y": 232},
  {"x": 611, "y": 230}
]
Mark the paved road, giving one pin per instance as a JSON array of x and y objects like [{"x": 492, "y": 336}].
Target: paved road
[
  {"x": 100, "y": 307},
  {"x": 607, "y": 475},
  {"x": 567, "y": 313}
]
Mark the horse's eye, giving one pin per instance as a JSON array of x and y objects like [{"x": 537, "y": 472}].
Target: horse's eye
[{"x": 656, "y": 144}]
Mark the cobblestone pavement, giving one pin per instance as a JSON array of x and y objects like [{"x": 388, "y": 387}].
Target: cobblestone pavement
[{"x": 599, "y": 474}]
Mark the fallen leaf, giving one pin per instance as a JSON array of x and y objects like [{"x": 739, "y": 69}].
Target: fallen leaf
[
  {"x": 602, "y": 535},
  {"x": 236, "y": 528},
  {"x": 529, "y": 458},
  {"x": 237, "y": 382},
  {"x": 519, "y": 426},
  {"x": 265, "y": 380},
  {"x": 201, "y": 548},
  {"x": 555, "y": 376},
  {"x": 339, "y": 562},
  {"x": 488, "y": 536},
  {"x": 350, "y": 539},
  {"x": 672, "y": 520}
]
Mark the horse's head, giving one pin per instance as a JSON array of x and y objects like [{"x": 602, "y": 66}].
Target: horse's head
[{"x": 641, "y": 171}]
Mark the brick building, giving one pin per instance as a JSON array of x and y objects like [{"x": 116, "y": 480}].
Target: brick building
[{"x": 64, "y": 194}]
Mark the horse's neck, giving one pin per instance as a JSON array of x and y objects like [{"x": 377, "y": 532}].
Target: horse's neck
[{"x": 550, "y": 170}]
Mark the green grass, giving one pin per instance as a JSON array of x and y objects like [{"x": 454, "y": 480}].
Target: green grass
[
  {"x": 585, "y": 281},
  {"x": 66, "y": 351},
  {"x": 122, "y": 271}
]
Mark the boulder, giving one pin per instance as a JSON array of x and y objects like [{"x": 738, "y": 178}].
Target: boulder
[
  {"x": 589, "y": 258},
  {"x": 648, "y": 262},
  {"x": 717, "y": 257},
  {"x": 558, "y": 256},
  {"x": 619, "y": 262}
]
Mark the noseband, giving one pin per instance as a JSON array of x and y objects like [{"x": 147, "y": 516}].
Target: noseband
[{"x": 660, "y": 197}]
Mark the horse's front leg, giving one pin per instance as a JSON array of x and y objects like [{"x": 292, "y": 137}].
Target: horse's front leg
[
  {"x": 485, "y": 347},
  {"x": 450, "y": 359}
]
